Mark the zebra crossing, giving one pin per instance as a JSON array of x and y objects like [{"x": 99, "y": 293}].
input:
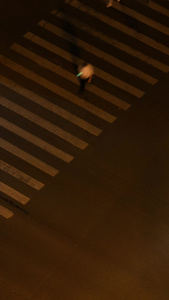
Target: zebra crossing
[{"x": 44, "y": 122}]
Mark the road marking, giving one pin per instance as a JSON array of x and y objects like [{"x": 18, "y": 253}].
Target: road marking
[
  {"x": 103, "y": 75},
  {"x": 13, "y": 193},
  {"x": 28, "y": 158},
  {"x": 43, "y": 123},
  {"x": 97, "y": 52},
  {"x": 36, "y": 140},
  {"x": 113, "y": 42},
  {"x": 49, "y": 106},
  {"x": 69, "y": 76},
  {"x": 158, "y": 8},
  {"x": 59, "y": 91},
  {"x": 123, "y": 28},
  {"x": 6, "y": 213},
  {"x": 141, "y": 18},
  {"x": 21, "y": 175}
]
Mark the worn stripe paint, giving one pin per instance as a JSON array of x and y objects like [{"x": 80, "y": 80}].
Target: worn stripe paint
[
  {"x": 6, "y": 213},
  {"x": 21, "y": 175},
  {"x": 43, "y": 123},
  {"x": 13, "y": 193},
  {"x": 35, "y": 140},
  {"x": 28, "y": 158}
]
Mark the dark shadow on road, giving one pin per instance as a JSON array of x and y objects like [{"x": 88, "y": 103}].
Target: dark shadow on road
[
  {"x": 74, "y": 50},
  {"x": 72, "y": 43}
]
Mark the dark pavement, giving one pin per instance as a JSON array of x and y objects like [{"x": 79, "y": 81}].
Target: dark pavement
[
  {"x": 18, "y": 16},
  {"x": 100, "y": 229}
]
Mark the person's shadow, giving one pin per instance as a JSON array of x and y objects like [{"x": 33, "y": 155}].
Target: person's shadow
[
  {"x": 72, "y": 43},
  {"x": 74, "y": 50}
]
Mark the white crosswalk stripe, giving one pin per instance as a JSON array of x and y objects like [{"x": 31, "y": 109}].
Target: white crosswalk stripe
[
  {"x": 13, "y": 193},
  {"x": 35, "y": 140},
  {"x": 112, "y": 41},
  {"x": 28, "y": 157},
  {"x": 156, "y": 7},
  {"x": 43, "y": 123},
  {"x": 109, "y": 58},
  {"x": 141, "y": 18},
  {"x": 50, "y": 106},
  {"x": 121, "y": 27},
  {"x": 20, "y": 175},
  {"x": 100, "y": 73},
  {"x": 58, "y": 70},
  {"x": 77, "y": 119},
  {"x": 6, "y": 213},
  {"x": 58, "y": 90}
]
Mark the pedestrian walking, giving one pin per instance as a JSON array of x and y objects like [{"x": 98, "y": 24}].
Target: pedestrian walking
[
  {"x": 85, "y": 73},
  {"x": 110, "y": 3}
]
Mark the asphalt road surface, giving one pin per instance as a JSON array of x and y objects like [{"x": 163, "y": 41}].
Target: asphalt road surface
[{"x": 84, "y": 207}]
